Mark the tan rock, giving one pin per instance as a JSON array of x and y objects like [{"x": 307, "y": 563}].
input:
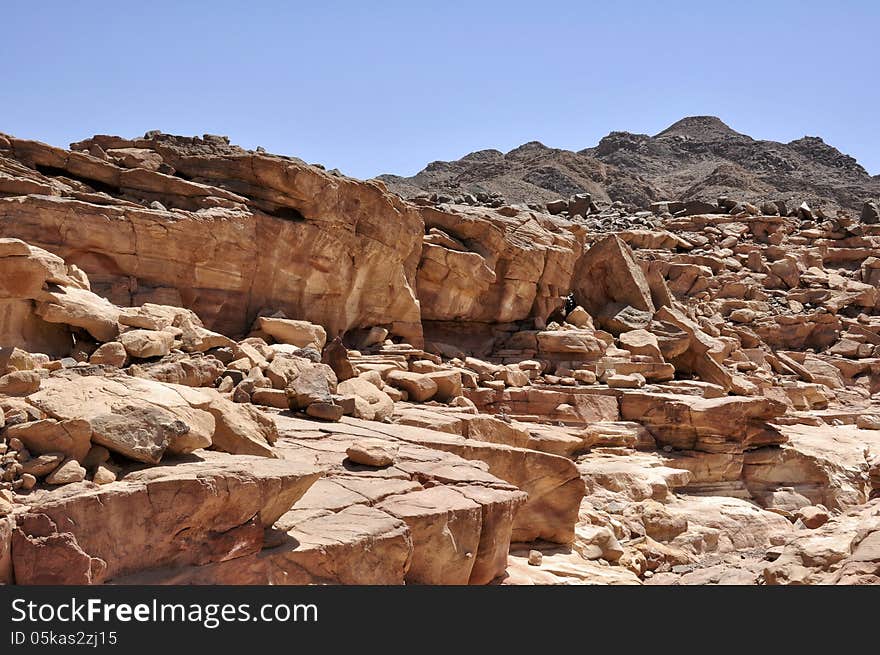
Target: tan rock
[
  {"x": 446, "y": 542},
  {"x": 448, "y": 384},
  {"x": 144, "y": 344},
  {"x": 71, "y": 437},
  {"x": 868, "y": 422},
  {"x": 641, "y": 342},
  {"x": 69, "y": 471},
  {"x": 185, "y": 370},
  {"x": 335, "y": 355},
  {"x": 420, "y": 387},
  {"x": 813, "y": 517},
  {"x": 112, "y": 353},
  {"x": 270, "y": 398},
  {"x": 325, "y": 411},
  {"x": 280, "y": 206},
  {"x": 487, "y": 266},
  {"x": 301, "y": 334},
  {"x": 371, "y": 403},
  {"x": 20, "y": 383},
  {"x": 133, "y": 417},
  {"x": 374, "y": 453},
  {"x": 14, "y": 359},
  {"x": 104, "y": 475},
  {"x": 88, "y": 534},
  {"x": 313, "y": 384},
  {"x": 714, "y": 424},
  {"x": 620, "y": 381},
  {"x": 42, "y": 465},
  {"x": 594, "y": 541},
  {"x": 608, "y": 273},
  {"x": 579, "y": 318},
  {"x": 241, "y": 429},
  {"x": 80, "y": 308}
]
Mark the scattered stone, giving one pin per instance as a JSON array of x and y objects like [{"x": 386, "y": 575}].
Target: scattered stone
[
  {"x": 325, "y": 411},
  {"x": 111, "y": 354},
  {"x": 20, "y": 383},
  {"x": 367, "y": 453},
  {"x": 69, "y": 471},
  {"x": 144, "y": 344}
]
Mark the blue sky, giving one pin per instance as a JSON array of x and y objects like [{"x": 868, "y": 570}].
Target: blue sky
[{"x": 374, "y": 87}]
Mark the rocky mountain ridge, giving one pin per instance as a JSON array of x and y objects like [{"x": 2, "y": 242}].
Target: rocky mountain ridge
[{"x": 696, "y": 158}]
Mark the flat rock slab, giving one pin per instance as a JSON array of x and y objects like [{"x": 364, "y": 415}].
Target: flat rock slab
[
  {"x": 553, "y": 484},
  {"x": 357, "y": 545},
  {"x": 684, "y": 422},
  {"x": 209, "y": 508}
]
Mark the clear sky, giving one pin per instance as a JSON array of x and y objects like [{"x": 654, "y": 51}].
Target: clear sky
[{"x": 387, "y": 86}]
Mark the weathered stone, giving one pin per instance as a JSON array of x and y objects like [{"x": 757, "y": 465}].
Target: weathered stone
[
  {"x": 301, "y": 334},
  {"x": 144, "y": 344},
  {"x": 136, "y": 418},
  {"x": 88, "y": 535},
  {"x": 311, "y": 385},
  {"x": 335, "y": 355},
  {"x": 608, "y": 273},
  {"x": 69, "y": 471},
  {"x": 241, "y": 429},
  {"x": 325, "y": 411},
  {"x": 111, "y": 354},
  {"x": 371, "y": 453},
  {"x": 371, "y": 403},
  {"x": 19, "y": 383},
  {"x": 420, "y": 387},
  {"x": 71, "y": 437}
]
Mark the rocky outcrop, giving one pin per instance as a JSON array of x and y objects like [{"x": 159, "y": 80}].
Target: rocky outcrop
[
  {"x": 480, "y": 265},
  {"x": 223, "y": 219},
  {"x": 211, "y": 508}
]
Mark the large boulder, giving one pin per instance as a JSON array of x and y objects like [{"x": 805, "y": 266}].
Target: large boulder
[
  {"x": 144, "y": 344},
  {"x": 481, "y": 265},
  {"x": 609, "y": 274},
  {"x": 242, "y": 429},
  {"x": 301, "y": 334},
  {"x": 371, "y": 403},
  {"x": 713, "y": 425},
  {"x": 137, "y": 418}
]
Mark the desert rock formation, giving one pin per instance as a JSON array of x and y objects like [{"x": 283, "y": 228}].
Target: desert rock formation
[{"x": 270, "y": 373}]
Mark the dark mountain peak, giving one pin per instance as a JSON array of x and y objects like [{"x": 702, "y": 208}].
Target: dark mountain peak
[
  {"x": 529, "y": 149},
  {"x": 615, "y": 141},
  {"x": 483, "y": 155},
  {"x": 700, "y": 127},
  {"x": 814, "y": 148},
  {"x": 696, "y": 158}
]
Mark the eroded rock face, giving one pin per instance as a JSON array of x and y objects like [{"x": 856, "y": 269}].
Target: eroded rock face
[
  {"x": 846, "y": 551},
  {"x": 229, "y": 236},
  {"x": 211, "y": 508},
  {"x": 493, "y": 267},
  {"x": 713, "y": 425}
]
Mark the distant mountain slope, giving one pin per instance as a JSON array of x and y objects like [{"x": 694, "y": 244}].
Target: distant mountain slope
[{"x": 697, "y": 158}]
